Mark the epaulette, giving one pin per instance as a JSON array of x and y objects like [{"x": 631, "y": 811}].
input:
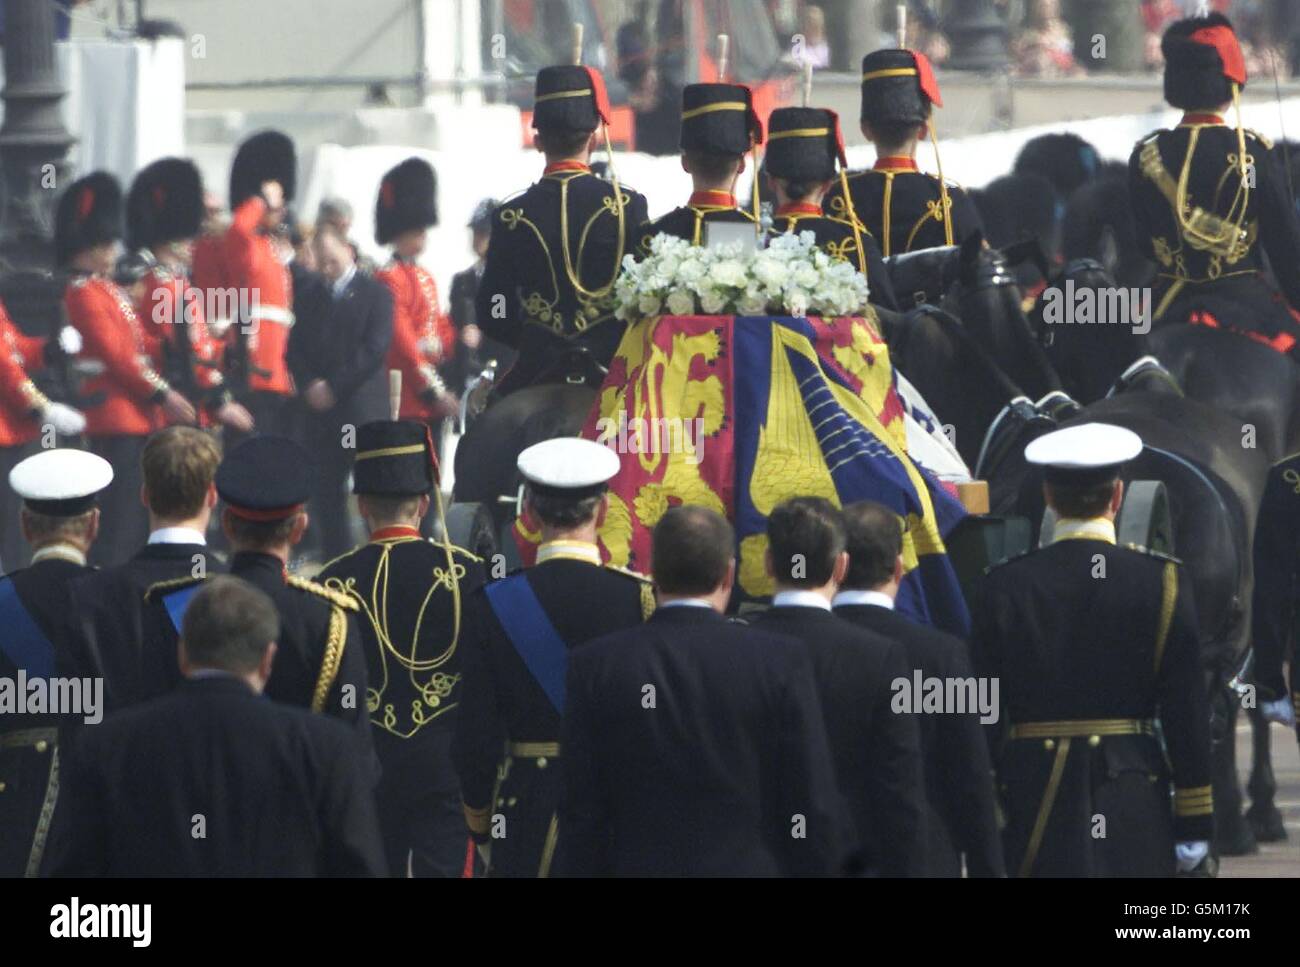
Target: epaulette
[
  {"x": 1266, "y": 141},
  {"x": 337, "y": 598},
  {"x": 161, "y": 589},
  {"x": 644, "y": 578},
  {"x": 1159, "y": 555}
]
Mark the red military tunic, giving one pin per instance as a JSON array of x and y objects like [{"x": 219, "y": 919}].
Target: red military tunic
[
  {"x": 177, "y": 336},
  {"x": 20, "y": 354},
  {"x": 115, "y": 355},
  {"x": 266, "y": 288},
  {"x": 423, "y": 336}
]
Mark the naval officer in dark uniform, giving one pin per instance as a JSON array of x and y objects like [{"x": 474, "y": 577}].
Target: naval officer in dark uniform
[
  {"x": 719, "y": 128},
  {"x": 694, "y": 745},
  {"x": 803, "y": 146},
  {"x": 1095, "y": 651},
  {"x": 264, "y": 483},
  {"x": 556, "y": 249},
  {"x": 960, "y": 815},
  {"x": 412, "y": 595},
  {"x": 60, "y": 521},
  {"x": 1207, "y": 216},
  {"x": 904, "y": 208},
  {"x": 518, "y": 634},
  {"x": 210, "y": 779},
  {"x": 877, "y": 751}
]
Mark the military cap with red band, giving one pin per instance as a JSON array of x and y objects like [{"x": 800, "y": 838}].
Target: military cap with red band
[{"x": 266, "y": 478}]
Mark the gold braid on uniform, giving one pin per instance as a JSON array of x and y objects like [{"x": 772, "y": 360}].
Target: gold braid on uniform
[
  {"x": 647, "y": 601},
  {"x": 333, "y": 657},
  {"x": 159, "y": 588},
  {"x": 1168, "y": 599}
]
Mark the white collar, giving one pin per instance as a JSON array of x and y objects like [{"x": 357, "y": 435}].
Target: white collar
[
  {"x": 800, "y": 599},
  {"x": 342, "y": 282},
  {"x": 877, "y": 598},
  {"x": 687, "y": 603},
  {"x": 176, "y": 535},
  {"x": 62, "y": 552},
  {"x": 1078, "y": 529},
  {"x": 577, "y": 550}
]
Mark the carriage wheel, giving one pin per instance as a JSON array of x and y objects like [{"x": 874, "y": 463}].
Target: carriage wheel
[
  {"x": 471, "y": 526},
  {"x": 1144, "y": 518}
]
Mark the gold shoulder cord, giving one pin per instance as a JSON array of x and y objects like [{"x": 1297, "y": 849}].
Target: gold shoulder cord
[
  {"x": 1168, "y": 598},
  {"x": 853, "y": 220},
  {"x": 333, "y": 658},
  {"x": 885, "y": 202},
  {"x": 593, "y": 295},
  {"x": 647, "y": 600}
]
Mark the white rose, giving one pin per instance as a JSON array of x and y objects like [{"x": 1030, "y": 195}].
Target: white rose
[
  {"x": 770, "y": 271},
  {"x": 796, "y": 302},
  {"x": 729, "y": 272},
  {"x": 681, "y": 302},
  {"x": 712, "y": 302},
  {"x": 691, "y": 270},
  {"x": 806, "y": 276},
  {"x": 751, "y": 304},
  {"x": 648, "y": 304}
]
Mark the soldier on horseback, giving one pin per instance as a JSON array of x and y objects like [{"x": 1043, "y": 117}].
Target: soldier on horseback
[
  {"x": 1209, "y": 200},
  {"x": 557, "y": 248}
]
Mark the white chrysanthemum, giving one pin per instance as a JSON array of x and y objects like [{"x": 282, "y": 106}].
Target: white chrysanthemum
[{"x": 681, "y": 302}]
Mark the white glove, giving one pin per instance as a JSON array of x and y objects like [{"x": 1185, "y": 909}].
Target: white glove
[
  {"x": 70, "y": 340},
  {"x": 1188, "y": 855},
  {"x": 1280, "y": 710},
  {"x": 64, "y": 418}
]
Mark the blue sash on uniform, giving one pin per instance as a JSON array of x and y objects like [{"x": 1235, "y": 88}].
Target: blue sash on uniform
[
  {"x": 23, "y": 642},
  {"x": 532, "y": 634},
  {"x": 177, "y": 602}
]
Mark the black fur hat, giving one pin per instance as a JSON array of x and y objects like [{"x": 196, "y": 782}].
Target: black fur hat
[
  {"x": 1066, "y": 160},
  {"x": 395, "y": 458},
  {"x": 1202, "y": 59},
  {"x": 264, "y": 156},
  {"x": 803, "y": 144},
  {"x": 1019, "y": 206},
  {"x": 898, "y": 87},
  {"x": 719, "y": 119},
  {"x": 89, "y": 214},
  {"x": 165, "y": 203},
  {"x": 407, "y": 199}
]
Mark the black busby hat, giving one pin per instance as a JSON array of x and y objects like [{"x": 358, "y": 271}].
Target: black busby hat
[
  {"x": 264, "y": 156},
  {"x": 165, "y": 203},
  {"x": 89, "y": 214},
  {"x": 803, "y": 144},
  {"x": 569, "y": 97},
  {"x": 1202, "y": 60},
  {"x": 395, "y": 458},
  {"x": 1064, "y": 159},
  {"x": 407, "y": 199},
  {"x": 719, "y": 119},
  {"x": 265, "y": 478},
  {"x": 898, "y": 87}
]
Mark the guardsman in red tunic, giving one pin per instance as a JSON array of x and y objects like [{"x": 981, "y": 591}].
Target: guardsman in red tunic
[
  {"x": 129, "y": 398},
  {"x": 24, "y": 410},
  {"x": 423, "y": 336},
  {"x": 262, "y": 181},
  {"x": 164, "y": 211}
]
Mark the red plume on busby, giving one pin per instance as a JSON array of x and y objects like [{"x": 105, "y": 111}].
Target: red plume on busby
[
  {"x": 407, "y": 200},
  {"x": 165, "y": 203},
  {"x": 89, "y": 214},
  {"x": 1202, "y": 60},
  {"x": 264, "y": 156}
]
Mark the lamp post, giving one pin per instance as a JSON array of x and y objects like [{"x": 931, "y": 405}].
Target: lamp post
[
  {"x": 33, "y": 148},
  {"x": 978, "y": 37}
]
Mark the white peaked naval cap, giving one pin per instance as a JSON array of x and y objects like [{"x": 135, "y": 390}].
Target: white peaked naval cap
[
  {"x": 568, "y": 466},
  {"x": 61, "y": 482}
]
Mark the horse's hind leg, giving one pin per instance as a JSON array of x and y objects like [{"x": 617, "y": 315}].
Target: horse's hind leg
[{"x": 1264, "y": 817}]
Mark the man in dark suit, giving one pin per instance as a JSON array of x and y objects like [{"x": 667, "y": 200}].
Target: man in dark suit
[
  {"x": 60, "y": 521},
  {"x": 960, "y": 816},
  {"x": 179, "y": 465},
  {"x": 695, "y": 745},
  {"x": 473, "y": 349},
  {"x": 518, "y": 633},
  {"x": 337, "y": 354},
  {"x": 877, "y": 750},
  {"x": 290, "y": 794}
]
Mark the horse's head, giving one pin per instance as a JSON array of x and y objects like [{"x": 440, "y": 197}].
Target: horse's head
[
  {"x": 987, "y": 299},
  {"x": 924, "y": 276},
  {"x": 1089, "y": 355},
  {"x": 1099, "y": 225}
]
